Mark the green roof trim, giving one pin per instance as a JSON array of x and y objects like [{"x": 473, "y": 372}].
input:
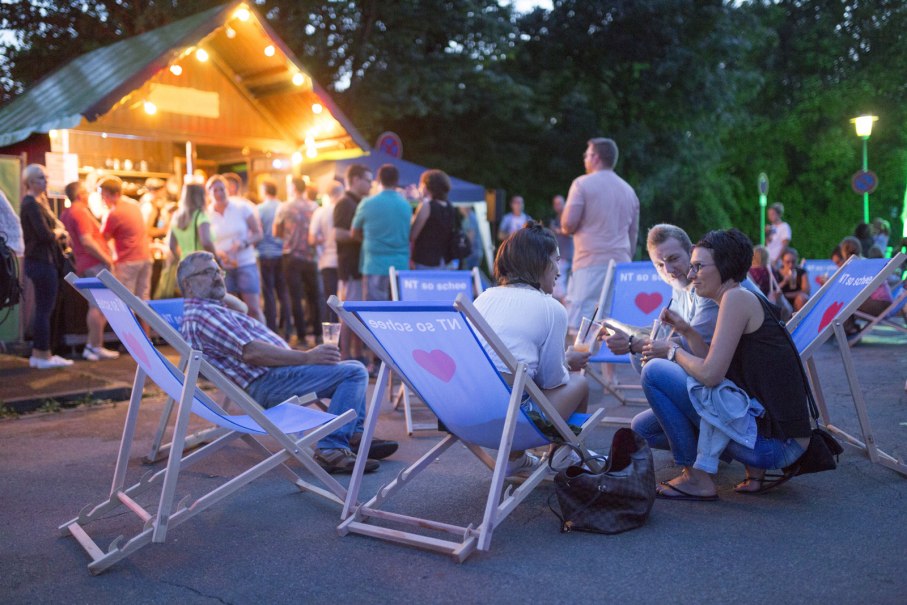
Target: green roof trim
[{"x": 91, "y": 84}]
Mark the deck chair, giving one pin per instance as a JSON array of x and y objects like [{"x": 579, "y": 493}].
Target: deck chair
[
  {"x": 422, "y": 286},
  {"x": 122, "y": 310},
  {"x": 891, "y": 317},
  {"x": 436, "y": 349},
  {"x": 633, "y": 294},
  {"x": 171, "y": 310},
  {"x": 822, "y": 318}
]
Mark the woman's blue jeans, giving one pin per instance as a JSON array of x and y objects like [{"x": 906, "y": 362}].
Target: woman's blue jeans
[
  {"x": 46, "y": 281},
  {"x": 673, "y": 424}
]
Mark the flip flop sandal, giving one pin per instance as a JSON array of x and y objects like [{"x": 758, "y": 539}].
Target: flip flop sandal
[
  {"x": 683, "y": 495},
  {"x": 767, "y": 482}
]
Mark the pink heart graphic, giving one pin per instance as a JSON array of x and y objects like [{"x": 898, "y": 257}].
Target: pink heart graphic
[
  {"x": 437, "y": 362},
  {"x": 829, "y": 314},
  {"x": 132, "y": 343},
  {"x": 648, "y": 301}
]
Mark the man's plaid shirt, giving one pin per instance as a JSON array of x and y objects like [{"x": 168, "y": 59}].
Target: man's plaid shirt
[{"x": 221, "y": 333}]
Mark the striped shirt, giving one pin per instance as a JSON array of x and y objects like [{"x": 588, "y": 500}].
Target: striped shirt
[{"x": 220, "y": 333}]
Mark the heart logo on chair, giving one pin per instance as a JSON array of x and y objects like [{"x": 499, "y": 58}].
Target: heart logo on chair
[
  {"x": 829, "y": 314},
  {"x": 135, "y": 347},
  {"x": 439, "y": 363},
  {"x": 648, "y": 301}
]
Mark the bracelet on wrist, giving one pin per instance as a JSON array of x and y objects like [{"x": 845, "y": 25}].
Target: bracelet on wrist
[{"x": 630, "y": 343}]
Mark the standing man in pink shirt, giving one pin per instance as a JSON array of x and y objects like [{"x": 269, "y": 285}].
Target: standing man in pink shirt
[
  {"x": 125, "y": 225},
  {"x": 602, "y": 214}
]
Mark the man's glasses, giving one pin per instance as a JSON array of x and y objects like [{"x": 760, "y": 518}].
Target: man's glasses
[
  {"x": 697, "y": 267},
  {"x": 209, "y": 272}
]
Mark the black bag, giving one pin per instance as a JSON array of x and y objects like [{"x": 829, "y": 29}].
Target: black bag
[
  {"x": 617, "y": 499},
  {"x": 821, "y": 455},
  {"x": 458, "y": 246},
  {"x": 10, "y": 289}
]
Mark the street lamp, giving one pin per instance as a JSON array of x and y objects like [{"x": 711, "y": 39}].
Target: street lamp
[{"x": 863, "y": 125}]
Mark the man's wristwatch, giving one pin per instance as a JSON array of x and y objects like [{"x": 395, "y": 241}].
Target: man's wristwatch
[{"x": 672, "y": 352}]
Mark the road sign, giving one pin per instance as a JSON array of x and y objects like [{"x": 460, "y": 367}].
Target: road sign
[
  {"x": 864, "y": 181},
  {"x": 389, "y": 143}
]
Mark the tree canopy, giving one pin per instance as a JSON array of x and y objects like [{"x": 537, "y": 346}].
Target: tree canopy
[{"x": 700, "y": 96}]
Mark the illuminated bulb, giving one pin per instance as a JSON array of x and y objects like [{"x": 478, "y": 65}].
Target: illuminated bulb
[
  {"x": 54, "y": 134},
  {"x": 201, "y": 54},
  {"x": 311, "y": 152},
  {"x": 243, "y": 14},
  {"x": 298, "y": 79},
  {"x": 269, "y": 50},
  {"x": 231, "y": 33},
  {"x": 103, "y": 135},
  {"x": 176, "y": 70},
  {"x": 310, "y": 141},
  {"x": 297, "y": 157},
  {"x": 277, "y": 164},
  {"x": 150, "y": 108},
  {"x": 317, "y": 108}
]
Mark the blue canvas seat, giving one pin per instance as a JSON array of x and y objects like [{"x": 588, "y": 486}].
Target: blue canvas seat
[
  {"x": 436, "y": 349},
  {"x": 294, "y": 427},
  {"x": 425, "y": 286}
]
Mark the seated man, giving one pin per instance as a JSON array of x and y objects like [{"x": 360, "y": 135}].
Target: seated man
[{"x": 264, "y": 365}]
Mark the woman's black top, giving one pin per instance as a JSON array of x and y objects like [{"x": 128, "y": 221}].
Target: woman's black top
[
  {"x": 38, "y": 223},
  {"x": 431, "y": 245},
  {"x": 766, "y": 366},
  {"x": 799, "y": 277}
]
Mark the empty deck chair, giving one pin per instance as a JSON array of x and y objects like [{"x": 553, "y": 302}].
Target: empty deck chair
[
  {"x": 822, "y": 318},
  {"x": 121, "y": 307},
  {"x": 632, "y": 294},
  {"x": 435, "y": 348},
  {"x": 420, "y": 286}
]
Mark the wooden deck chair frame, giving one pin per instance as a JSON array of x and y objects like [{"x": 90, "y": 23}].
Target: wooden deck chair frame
[
  {"x": 258, "y": 421},
  {"x": 403, "y": 394},
  {"x": 835, "y": 328},
  {"x": 498, "y": 503},
  {"x": 896, "y": 321},
  {"x": 625, "y": 394}
]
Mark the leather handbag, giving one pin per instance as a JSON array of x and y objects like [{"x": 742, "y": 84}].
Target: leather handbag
[{"x": 615, "y": 500}]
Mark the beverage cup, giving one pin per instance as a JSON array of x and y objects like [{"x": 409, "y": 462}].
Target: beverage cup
[
  {"x": 330, "y": 333},
  {"x": 588, "y": 334}
]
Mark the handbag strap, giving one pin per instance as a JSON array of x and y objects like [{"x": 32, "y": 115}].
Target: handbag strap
[
  {"x": 195, "y": 230},
  {"x": 813, "y": 408}
]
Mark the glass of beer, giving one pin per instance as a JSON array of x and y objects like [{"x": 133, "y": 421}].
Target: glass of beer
[{"x": 330, "y": 333}]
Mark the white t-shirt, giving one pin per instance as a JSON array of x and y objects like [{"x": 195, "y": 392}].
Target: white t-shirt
[
  {"x": 231, "y": 228},
  {"x": 533, "y": 326},
  {"x": 323, "y": 225},
  {"x": 775, "y": 240}
]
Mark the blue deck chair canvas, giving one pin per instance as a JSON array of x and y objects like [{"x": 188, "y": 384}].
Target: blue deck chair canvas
[
  {"x": 121, "y": 309},
  {"x": 632, "y": 294},
  {"x": 822, "y": 318},
  {"x": 423, "y": 286},
  {"x": 435, "y": 348}
]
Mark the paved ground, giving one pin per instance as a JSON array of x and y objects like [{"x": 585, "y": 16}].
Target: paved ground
[{"x": 835, "y": 537}]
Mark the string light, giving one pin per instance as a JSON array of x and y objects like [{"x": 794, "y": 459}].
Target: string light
[
  {"x": 242, "y": 13},
  {"x": 231, "y": 33},
  {"x": 317, "y": 108},
  {"x": 298, "y": 79},
  {"x": 297, "y": 157},
  {"x": 311, "y": 152},
  {"x": 176, "y": 70},
  {"x": 201, "y": 54},
  {"x": 150, "y": 108},
  {"x": 269, "y": 50}
]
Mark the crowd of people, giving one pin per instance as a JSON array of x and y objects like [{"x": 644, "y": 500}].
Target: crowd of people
[{"x": 255, "y": 278}]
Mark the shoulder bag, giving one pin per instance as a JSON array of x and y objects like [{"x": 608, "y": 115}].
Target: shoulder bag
[
  {"x": 458, "y": 246},
  {"x": 615, "y": 500}
]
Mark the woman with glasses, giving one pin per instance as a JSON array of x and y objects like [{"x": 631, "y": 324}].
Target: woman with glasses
[{"x": 752, "y": 350}]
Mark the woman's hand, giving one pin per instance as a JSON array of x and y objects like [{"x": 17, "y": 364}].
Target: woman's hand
[
  {"x": 656, "y": 348},
  {"x": 576, "y": 360},
  {"x": 674, "y": 320}
]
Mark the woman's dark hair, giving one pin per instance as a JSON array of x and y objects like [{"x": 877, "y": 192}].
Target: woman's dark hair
[
  {"x": 732, "y": 252},
  {"x": 850, "y": 246},
  {"x": 525, "y": 255},
  {"x": 437, "y": 183}
]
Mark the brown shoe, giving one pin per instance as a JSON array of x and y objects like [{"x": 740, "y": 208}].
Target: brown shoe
[
  {"x": 379, "y": 449},
  {"x": 342, "y": 461}
]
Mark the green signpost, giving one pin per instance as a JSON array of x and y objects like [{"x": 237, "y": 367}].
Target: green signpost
[{"x": 763, "y": 200}]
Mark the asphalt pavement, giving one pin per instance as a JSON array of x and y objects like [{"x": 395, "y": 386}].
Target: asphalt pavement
[{"x": 834, "y": 537}]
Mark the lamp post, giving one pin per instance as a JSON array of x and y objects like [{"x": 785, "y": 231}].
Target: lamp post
[{"x": 863, "y": 125}]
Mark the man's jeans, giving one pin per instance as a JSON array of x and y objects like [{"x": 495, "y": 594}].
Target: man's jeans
[
  {"x": 673, "y": 424},
  {"x": 344, "y": 383},
  {"x": 274, "y": 290}
]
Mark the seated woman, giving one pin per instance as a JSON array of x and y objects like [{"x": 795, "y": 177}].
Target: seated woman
[
  {"x": 794, "y": 280},
  {"x": 533, "y": 325},
  {"x": 750, "y": 348},
  {"x": 877, "y": 302}
]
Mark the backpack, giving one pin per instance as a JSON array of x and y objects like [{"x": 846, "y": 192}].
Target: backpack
[
  {"x": 10, "y": 290},
  {"x": 458, "y": 246}
]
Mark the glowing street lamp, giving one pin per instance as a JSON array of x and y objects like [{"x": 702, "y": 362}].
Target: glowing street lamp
[{"x": 863, "y": 125}]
